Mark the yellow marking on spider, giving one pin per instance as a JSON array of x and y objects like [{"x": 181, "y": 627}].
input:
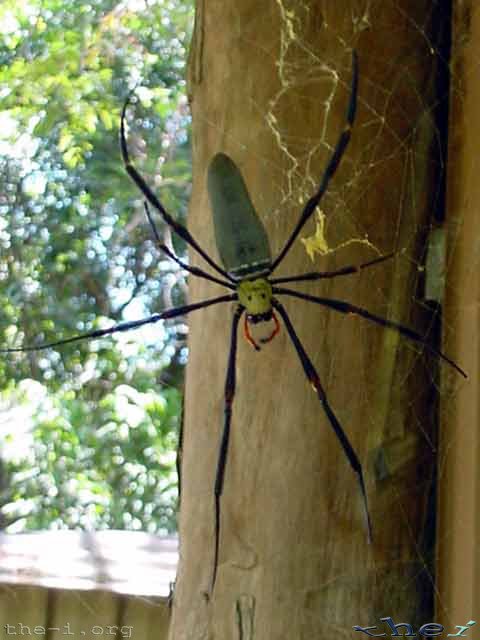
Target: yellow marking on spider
[{"x": 255, "y": 296}]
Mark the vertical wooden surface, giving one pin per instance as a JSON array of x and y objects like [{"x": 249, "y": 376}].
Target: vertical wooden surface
[
  {"x": 148, "y": 618},
  {"x": 294, "y": 558},
  {"x": 53, "y": 614},
  {"x": 86, "y": 614},
  {"x": 22, "y": 609},
  {"x": 458, "y": 595}
]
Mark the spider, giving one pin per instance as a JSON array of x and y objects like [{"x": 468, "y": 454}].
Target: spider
[{"x": 244, "y": 250}]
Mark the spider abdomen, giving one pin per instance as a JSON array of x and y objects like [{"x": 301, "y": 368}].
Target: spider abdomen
[{"x": 241, "y": 238}]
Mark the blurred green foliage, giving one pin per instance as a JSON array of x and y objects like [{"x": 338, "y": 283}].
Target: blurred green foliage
[{"x": 76, "y": 253}]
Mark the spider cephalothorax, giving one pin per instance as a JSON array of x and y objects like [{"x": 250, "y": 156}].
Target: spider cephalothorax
[
  {"x": 256, "y": 297},
  {"x": 244, "y": 249}
]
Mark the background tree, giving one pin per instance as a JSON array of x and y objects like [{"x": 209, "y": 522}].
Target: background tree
[
  {"x": 77, "y": 253},
  {"x": 270, "y": 88}
]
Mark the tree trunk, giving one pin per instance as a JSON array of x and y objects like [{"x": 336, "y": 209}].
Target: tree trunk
[{"x": 269, "y": 84}]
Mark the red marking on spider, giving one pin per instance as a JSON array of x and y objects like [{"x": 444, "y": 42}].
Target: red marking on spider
[{"x": 251, "y": 340}]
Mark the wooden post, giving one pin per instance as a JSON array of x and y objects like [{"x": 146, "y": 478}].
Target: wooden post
[
  {"x": 269, "y": 86},
  {"x": 458, "y": 594}
]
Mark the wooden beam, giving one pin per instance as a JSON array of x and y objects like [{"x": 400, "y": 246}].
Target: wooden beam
[{"x": 458, "y": 557}]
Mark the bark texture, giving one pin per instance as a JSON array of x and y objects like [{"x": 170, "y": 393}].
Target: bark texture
[{"x": 294, "y": 557}]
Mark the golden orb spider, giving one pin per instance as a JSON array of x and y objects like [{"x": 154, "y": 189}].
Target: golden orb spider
[{"x": 244, "y": 249}]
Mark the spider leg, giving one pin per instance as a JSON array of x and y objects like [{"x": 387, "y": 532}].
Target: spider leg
[
  {"x": 331, "y": 168},
  {"x": 344, "y": 271},
  {"x": 223, "y": 454},
  {"x": 127, "y": 326},
  {"x": 312, "y": 376},
  {"x": 345, "y": 307},
  {"x": 190, "y": 269},
  {"x": 178, "y": 228}
]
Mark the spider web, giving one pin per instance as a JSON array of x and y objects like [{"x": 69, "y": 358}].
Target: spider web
[{"x": 343, "y": 235}]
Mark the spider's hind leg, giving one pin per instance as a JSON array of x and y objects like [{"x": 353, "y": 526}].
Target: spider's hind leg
[
  {"x": 230, "y": 383},
  {"x": 314, "y": 380}
]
